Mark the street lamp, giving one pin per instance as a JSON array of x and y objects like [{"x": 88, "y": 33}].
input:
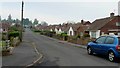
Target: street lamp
[{"x": 21, "y": 22}]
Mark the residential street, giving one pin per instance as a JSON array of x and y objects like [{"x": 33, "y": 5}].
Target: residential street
[{"x": 63, "y": 54}]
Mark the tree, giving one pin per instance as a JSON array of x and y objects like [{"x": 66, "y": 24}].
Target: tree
[
  {"x": 25, "y": 21},
  {"x": 4, "y": 21},
  {"x": 30, "y": 23},
  {"x": 35, "y": 22},
  {"x": 9, "y": 19},
  {"x": 43, "y": 23},
  {"x": 17, "y": 21}
]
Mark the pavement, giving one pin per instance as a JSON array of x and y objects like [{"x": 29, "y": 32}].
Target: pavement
[{"x": 24, "y": 55}]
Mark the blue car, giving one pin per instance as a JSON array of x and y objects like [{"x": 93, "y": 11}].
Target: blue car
[{"x": 105, "y": 45}]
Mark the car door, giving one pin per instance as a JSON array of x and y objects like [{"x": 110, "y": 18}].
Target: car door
[
  {"x": 97, "y": 45},
  {"x": 109, "y": 42}
]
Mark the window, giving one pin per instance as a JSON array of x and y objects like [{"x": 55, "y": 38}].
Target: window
[
  {"x": 118, "y": 34},
  {"x": 81, "y": 33},
  {"x": 101, "y": 40},
  {"x": 93, "y": 34},
  {"x": 102, "y": 33},
  {"x": 117, "y": 23},
  {"x": 109, "y": 40}
]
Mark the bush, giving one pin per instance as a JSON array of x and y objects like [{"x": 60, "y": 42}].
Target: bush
[
  {"x": 86, "y": 35},
  {"x": 37, "y": 31},
  {"x": 13, "y": 34},
  {"x": 47, "y": 33},
  {"x": 2, "y": 43},
  {"x": 4, "y": 37},
  {"x": 64, "y": 34}
]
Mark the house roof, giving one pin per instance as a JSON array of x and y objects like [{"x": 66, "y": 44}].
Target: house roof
[
  {"x": 99, "y": 23},
  {"x": 83, "y": 28},
  {"x": 74, "y": 26}
]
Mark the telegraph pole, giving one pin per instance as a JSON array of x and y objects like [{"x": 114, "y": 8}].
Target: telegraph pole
[{"x": 21, "y": 22}]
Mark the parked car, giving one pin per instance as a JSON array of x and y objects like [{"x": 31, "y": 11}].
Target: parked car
[{"x": 105, "y": 45}]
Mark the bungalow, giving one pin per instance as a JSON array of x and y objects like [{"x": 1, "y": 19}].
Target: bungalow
[
  {"x": 72, "y": 29},
  {"x": 78, "y": 28},
  {"x": 108, "y": 25},
  {"x": 60, "y": 29}
]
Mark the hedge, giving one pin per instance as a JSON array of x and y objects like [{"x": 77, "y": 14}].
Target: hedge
[{"x": 13, "y": 34}]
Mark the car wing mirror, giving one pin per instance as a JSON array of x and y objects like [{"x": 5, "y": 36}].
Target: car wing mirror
[{"x": 94, "y": 42}]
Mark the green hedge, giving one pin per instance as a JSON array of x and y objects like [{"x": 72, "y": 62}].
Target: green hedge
[
  {"x": 86, "y": 35},
  {"x": 37, "y": 31},
  {"x": 14, "y": 34},
  {"x": 64, "y": 34},
  {"x": 47, "y": 33}
]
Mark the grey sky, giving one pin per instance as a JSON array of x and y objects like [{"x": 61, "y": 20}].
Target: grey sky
[{"x": 60, "y": 12}]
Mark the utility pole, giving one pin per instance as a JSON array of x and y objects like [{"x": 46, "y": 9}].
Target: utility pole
[{"x": 21, "y": 22}]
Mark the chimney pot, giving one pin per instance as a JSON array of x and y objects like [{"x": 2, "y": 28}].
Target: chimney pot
[{"x": 111, "y": 14}]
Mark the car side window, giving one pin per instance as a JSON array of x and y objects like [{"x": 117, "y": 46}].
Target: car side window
[
  {"x": 101, "y": 40},
  {"x": 109, "y": 40}
]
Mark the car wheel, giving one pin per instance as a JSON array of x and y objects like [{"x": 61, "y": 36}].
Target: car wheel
[
  {"x": 111, "y": 56},
  {"x": 89, "y": 50}
]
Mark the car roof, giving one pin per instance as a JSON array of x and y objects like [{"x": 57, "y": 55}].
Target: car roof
[{"x": 111, "y": 36}]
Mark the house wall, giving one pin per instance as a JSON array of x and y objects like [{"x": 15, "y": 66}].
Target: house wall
[
  {"x": 56, "y": 30},
  {"x": 80, "y": 31},
  {"x": 94, "y": 34},
  {"x": 97, "y": 33},
  {"x": 51, "y": 29},
  {"x": 70, "y": 30},
  {"x": 60, "y": 31}
]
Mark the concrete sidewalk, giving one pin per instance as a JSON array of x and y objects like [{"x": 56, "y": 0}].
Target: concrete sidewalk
[{"x": 23, "y": 55}]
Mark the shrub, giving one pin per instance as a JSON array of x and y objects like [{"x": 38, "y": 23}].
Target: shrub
[
  {"x": 64, "y": 34},
  {"x": 37, "y": 31},
  {"x": 2, "y": 43},
  {"x": 4, "y": 37},
  {"x": 13, "y": 34},
  {"x": 86, "y": 35},
  {"x": 47, "y": 33}
]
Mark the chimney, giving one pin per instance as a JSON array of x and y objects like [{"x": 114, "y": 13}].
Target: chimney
[
  {"x": 82, "y": 21},
  {"x": 112, "y": 15}
]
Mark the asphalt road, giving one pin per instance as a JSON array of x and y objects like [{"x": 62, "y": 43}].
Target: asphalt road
[{"x": 63, "y": 54}]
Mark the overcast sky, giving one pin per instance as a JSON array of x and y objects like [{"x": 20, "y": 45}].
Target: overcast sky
[{"x": 59, "y": 12}]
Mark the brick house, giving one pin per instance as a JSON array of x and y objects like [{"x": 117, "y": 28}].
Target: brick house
[{"x": 108, "y": 25}]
